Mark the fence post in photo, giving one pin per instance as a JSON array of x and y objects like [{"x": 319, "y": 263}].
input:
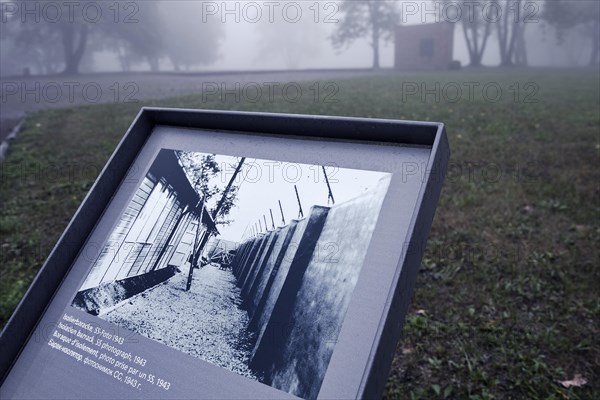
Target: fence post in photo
[
  {"x": 282, "y": 216},
  {"x": 300, "y": 212},
  {"x": 272, "y": 220},
  {"x": 330, "y": 194}
]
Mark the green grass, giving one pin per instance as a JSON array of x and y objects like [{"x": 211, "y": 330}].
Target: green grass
[{"x": 507, "y": 301}]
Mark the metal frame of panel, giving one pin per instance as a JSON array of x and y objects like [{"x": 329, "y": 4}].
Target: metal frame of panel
[{"x": 360, "y": 130}]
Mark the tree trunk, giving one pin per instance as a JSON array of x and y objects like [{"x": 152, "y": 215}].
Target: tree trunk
[
  {"x": 472, "y": 55},
  {"x": 508, "y": 34},
  {"x": 376, "y": 56},
  {"x": 594, "y": 58},
  {"x": 374, "y": 7},
  {"x": 219, "y": 206},
  {"x": 73, "y": 52},
  {"x": 521, "y": 49},
  {"x": 595, "y": 44},
  {"x": 473, "y": 45},
  {"x": 511, "y": 36},
  {"x": 486, "y": 35},
  {"x": 176, "y": 66},
  {"x": 215, "y": 214},
  {"x": 123, "y": 59},
  {"x": 501, "y": 32},
  {"x": 476, "y": 62},
  {"x": 195, "y": 252},
  {"x": 154, "y": 63}
]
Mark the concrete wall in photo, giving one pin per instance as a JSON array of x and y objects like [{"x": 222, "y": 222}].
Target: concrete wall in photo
[
  {"x": 250, "y": 290},
  {"x": 240, "y": 257},
  {"x": 275, "y": 319},
  {"x": 247, "y": 263},
  {"x": 256, "y": 301},
  {"x": 320, "y": 305},
  {"x": 261, "y": 259},
  {"x": 297, "y": 282},
  {"x": 254, "y": 261}
]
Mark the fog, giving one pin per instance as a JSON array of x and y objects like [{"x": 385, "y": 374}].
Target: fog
[{"x": 189, "y": 36}]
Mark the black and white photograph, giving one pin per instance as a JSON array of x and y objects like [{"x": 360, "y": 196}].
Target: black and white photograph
[{"x": 247, "y": 264}]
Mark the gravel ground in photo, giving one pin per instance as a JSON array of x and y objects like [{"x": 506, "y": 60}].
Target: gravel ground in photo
[{"x": 205, "y": 322}]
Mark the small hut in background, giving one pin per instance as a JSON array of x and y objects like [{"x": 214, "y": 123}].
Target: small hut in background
[{"x": 424, "y": 46}]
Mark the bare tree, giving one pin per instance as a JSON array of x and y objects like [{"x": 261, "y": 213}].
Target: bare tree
[
  {"x": 520, "y": 54},
  {"x": 27, "y": 52},
  {"x": 155, "y": 32},
  {"x": 203, "y": 170},
  {"x": 476, "y": 30},
  {"x": 72, "y": 33},
  {"x": 583, "y": 15},
  {"x": 510, "y": 28},
  {"x": 376, "y": 19}
]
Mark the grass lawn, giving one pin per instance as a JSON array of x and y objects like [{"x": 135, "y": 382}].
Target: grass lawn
[{"x": 507, "y": 301}]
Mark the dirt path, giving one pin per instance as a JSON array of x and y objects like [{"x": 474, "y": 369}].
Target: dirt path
[
  {"x": 205, "y": 322},
  {"x": 20, "y": 95}
]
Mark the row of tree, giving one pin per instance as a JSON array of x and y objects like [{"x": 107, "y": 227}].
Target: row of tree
[
  {"x": 377, "y": 19},
  {"x": 175, "y": 31},
  {"x": 51, "y": 38}
]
